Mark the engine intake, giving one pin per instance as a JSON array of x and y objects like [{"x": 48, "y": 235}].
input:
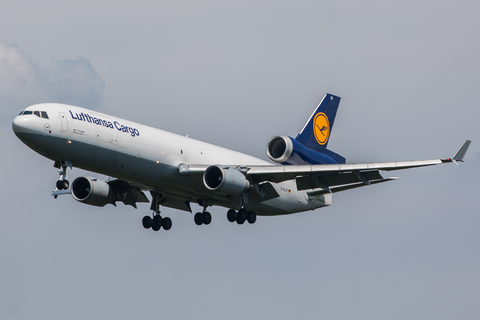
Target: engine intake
[
  {"x": 279, "y": 148},
  {"x": 286, "y": 150},
  {"x": 92, "y": 191},
  {"x": 225, "y": 180}
]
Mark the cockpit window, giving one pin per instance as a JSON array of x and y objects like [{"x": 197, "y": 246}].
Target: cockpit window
[{"x": 40, "y": 114}]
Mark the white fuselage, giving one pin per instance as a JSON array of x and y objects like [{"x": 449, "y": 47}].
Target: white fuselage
[{"x": 144, "y": 156}]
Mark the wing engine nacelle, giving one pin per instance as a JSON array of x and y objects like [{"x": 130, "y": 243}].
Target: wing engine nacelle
[
  {"x": 225, "y": 180},
  {"x": 92, "y": 191}
]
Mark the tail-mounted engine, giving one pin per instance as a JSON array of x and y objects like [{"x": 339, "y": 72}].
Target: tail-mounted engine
[
  {"x": 92, "y": 191},
  {"x": 225, "y": 180},
  {"x": 286, "y": 150},
  {"x": 279, "y": 148}
]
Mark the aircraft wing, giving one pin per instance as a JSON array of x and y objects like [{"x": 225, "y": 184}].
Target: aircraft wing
[
  {"x": 330, "y": 177},
  {"x": 324, "y": 176}
]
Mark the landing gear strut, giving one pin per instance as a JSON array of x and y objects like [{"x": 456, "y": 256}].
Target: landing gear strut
[{"x": 156, "y": 222}]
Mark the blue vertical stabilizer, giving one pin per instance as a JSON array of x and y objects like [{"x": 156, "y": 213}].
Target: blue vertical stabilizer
[
  {"x": 310, "y": 145},
  {"x": 316, "y": 132}
]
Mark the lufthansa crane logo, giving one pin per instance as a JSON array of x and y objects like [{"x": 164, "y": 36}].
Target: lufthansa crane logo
[{"x": 321, "y": 128}]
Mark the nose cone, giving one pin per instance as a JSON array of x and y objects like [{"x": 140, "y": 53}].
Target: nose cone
[
  {"x": 24, "y": 125},
  {"x": 17, "y": 125}
]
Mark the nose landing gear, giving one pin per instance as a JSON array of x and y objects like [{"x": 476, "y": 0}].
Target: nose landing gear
[{"x": 62, "y": 182}]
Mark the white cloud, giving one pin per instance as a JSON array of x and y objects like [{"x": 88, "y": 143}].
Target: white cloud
[{"x": 23, "y": 82}]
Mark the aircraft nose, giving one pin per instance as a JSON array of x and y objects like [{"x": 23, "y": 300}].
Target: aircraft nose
[
  {"x": 20, "y": 124},
  {"x": 16, "y": 124}
]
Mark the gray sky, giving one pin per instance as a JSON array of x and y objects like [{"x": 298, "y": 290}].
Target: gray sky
[{"x": 235, "y": 74}]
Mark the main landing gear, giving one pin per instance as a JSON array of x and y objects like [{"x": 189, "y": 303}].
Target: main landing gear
[
  {"x": 203, "y": 217},
  {"x": 62, "y": 183},
  {"x": 241, "y": 216},
  {"x": 156, "y": 222}
]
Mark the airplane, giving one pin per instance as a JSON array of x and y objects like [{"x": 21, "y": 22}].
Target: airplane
[{"x": 179, "y": 171}]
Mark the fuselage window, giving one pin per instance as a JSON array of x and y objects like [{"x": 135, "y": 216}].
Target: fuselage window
[
  {"x": 37, "y": 113},
  {"x": 27, "y": 113},
  {"x": 44, "y": 115}
]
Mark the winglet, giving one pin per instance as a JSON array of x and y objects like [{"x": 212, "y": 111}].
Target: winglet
[{"x": 462, "y": 151}]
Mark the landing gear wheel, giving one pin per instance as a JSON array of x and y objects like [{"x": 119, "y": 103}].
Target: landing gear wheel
[
  {"x": 251, "y": 217},
  {"x": 242, "y": 216},
  {"x": 207, "y": 218},
  {"x": 62, "y": 184},
  {"x": 231, "y": 215},
  {"x": 198, "y": 218},
  {"x": 147, "y": 222},
  {"x": 156, "y": 226},
  {"x": 157, "y": 223},
  {"x": 167, "y": 223}
]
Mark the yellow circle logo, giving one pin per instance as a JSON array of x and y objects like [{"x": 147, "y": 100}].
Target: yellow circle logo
[{"x": 321, "y": 128}]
